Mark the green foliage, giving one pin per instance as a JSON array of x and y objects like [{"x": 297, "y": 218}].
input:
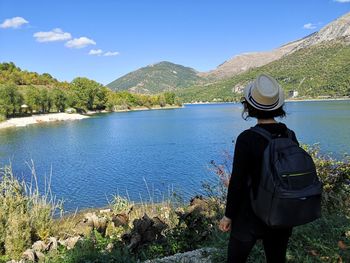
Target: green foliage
[
  {"x": 93, "y": 249},
  {"x": 59, "y": 99},
  {"x": 85, "y": 92},
  {"x": 120, "y": 205},
  {"x": 9, "y": 73},
  {"x": 33, "y": 98},
  {"x": 335, "y": 176},
  {"x": 160, "y": 77},
  {"x": 17, "y": 235},
  {"x": 10, "y": 100},
  {"x": 169, "y": 97}
]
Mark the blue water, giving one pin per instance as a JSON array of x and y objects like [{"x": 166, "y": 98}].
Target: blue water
[{"x": 148, "y": 153}]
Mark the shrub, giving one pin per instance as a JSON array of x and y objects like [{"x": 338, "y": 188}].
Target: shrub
[{"x": 26, "y": 216}]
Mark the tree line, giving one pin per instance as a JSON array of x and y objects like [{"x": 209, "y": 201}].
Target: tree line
[{"x": 82, "y": 95}]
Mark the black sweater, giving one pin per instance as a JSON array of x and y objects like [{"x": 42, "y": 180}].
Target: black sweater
[{"x": 247, "y": 161}]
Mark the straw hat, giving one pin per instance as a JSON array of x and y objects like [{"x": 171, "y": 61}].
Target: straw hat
[{"x": 264, "y": 93}]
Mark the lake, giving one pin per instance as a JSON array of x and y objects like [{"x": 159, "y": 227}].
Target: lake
[{"x": 145, "y": 154}]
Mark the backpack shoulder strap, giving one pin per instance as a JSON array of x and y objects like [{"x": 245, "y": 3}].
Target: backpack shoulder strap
[{"x": 267, "y": 135}]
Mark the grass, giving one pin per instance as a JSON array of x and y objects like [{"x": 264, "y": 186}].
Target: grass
[{"x": 26, "y": 215}]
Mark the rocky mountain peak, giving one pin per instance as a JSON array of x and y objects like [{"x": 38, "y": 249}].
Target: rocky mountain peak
[{"x": 338, "y": 29}]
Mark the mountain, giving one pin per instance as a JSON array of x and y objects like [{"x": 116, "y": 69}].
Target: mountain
[
  {"x": 163, "y": 76},
  {"x": 338, "y": 29},
  {"x": 221, "y": 82},
  {"x": 319, "y": 70},
  {"x": 245, "y": 61}
]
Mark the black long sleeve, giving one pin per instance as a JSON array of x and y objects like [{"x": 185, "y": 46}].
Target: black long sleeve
[{"x": 238, "y": 178}]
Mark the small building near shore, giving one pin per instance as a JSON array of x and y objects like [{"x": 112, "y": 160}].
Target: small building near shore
[
  {"x": 293, "y": 94},
  {"x": 24, "y": 108}
]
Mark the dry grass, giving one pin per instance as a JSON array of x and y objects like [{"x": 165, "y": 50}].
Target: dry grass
[{"x": 26, "y": 215}]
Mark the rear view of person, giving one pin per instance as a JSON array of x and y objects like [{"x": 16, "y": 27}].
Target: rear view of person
[{"x": 248, "y": 219}]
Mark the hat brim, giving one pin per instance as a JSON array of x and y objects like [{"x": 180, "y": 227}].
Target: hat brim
[{"x": 256, "y": 105}]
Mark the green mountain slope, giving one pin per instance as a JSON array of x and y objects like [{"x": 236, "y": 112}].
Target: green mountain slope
[
  {"x": 163, "y": 76},
  {"x": 319, "y": 70}
]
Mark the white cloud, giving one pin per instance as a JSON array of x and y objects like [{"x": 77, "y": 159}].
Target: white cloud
[
  {"x": 14, "y": 22},
  {"x": 342, "y": 1},
  {"x": 80, "y": 42},
  {"x": 110, "y": 53},
  {"x": 310, "y": 26},
  {"x": 96, "y": 52},
  {"x": 54, "y": 35}
]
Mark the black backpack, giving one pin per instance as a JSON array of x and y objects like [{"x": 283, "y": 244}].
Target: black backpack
[{"x": 289, "y": 191}]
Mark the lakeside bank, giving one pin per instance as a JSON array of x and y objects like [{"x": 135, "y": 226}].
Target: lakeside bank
[
  {"x": 287, "y": 100},
  {"x": 57, "y": 117}
]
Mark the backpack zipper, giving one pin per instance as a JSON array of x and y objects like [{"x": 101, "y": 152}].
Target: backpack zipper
[{"x": 295, "y": 174}]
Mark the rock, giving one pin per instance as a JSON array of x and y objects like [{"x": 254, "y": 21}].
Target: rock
[
  {"x": 203, "y": 255},
  {"x": 90, "y": 219},
  {"x": 70, "y": 242},
  {"x": 141, "y": 225},
  {"x": 102, "y": 225},
  {"x": 145, "y": 230},
  {"x": 135, "y": 240},
  {"x": 158, "y": 224},
  {"x": 120, "y": 220},
  {"x": 29, "y": 254},
  {"x": 105, "y": 211},
  {"x": 98, "y": 223},
  {"x": 109, "y": 247},
  {"x": 39, "y": 255},
  {"x": 39, "y": 246},
  {"x": 52, "y": 244},
  {"x": 83, "y": 229}
]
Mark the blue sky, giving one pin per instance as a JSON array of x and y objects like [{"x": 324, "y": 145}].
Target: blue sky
[{"x": 121, "y": 36}]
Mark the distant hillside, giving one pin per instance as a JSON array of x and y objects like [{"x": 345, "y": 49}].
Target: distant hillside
[
  {"x": 318, "y": 70},
  {"x": 246, "y": 61},
  {"x": 337, "y": 29},
  {"x": 163, "y": 76}
]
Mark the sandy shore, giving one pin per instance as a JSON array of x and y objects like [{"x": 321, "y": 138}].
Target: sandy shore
[
  {"x": 42, "y": 118},
  {"x": 54, "y": 117}
]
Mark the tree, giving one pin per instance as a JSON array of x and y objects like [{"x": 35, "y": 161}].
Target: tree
[
  {"x": 85, "y": 91},
  {"x": 161, "y": 100},
  {"x": 33, "y": 99},
  {"x": 46, "y": 100},
  {"x": 59, "y": 99},
  {"x": 101, "y": 99},
  {"x": 169, "y": 97},
  {"x": 10, "y": 100}
]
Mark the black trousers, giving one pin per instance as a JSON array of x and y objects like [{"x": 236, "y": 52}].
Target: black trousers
[{"x": 275, "y": 246}]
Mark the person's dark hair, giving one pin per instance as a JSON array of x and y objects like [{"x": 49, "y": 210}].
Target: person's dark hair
[{"x": 250, "y": 111}]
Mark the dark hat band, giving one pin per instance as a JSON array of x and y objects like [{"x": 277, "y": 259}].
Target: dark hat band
[{"x": 259, "y": 105}]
